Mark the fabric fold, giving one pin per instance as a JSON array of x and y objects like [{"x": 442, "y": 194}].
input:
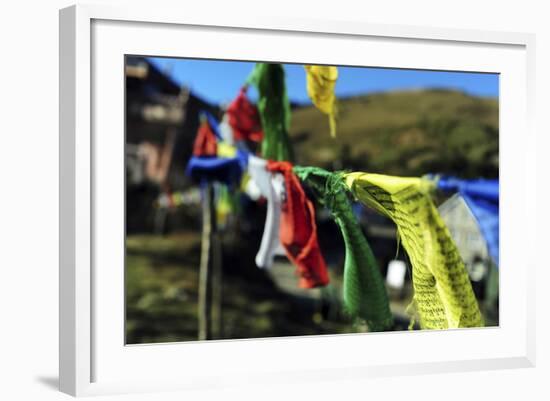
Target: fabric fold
[
  {"x": 257, "y": 169},
  {"x": 365, "y": 294},
  {"x": 298, "y": 229},
  {"x": 443, "y": 294}
]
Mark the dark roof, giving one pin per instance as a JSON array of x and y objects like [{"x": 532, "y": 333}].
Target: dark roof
[{"x": 139, "y": 70}]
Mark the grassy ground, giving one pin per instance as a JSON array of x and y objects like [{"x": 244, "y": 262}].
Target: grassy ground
[{"x": 162, "y": 281}]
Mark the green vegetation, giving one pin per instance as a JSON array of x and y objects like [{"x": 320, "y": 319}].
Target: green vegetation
[{"x": 403, "y": 133}]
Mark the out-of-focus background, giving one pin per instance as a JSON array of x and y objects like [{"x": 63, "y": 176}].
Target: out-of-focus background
[{"x": 395, "y": 122}]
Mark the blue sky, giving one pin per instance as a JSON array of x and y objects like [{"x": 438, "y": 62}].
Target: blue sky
[{"x": 219, "y": 81}]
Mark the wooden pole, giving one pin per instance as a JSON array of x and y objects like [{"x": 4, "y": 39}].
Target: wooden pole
[
  {"x": 205, "y": 275},
  {"x": 216, "y": 285},
  {"x": 210, "y": 276}
]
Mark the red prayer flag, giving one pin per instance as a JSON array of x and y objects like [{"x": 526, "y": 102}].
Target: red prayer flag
[
  {"x": 205, "y": 141},
  {"x": 298, "y": 230},
  {"x": 244, "y": 119}
]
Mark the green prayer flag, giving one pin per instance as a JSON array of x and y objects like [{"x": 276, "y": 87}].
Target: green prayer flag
[
  {"x": 365, "y": 293},
  {"x": 274, "y": 109}
]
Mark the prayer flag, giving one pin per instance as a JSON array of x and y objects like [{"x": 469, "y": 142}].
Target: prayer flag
[
  {"x": 274, "y": 110},
  {"x": 298, "y": 229},
  {"x": 321, "y": 81},
  {"x": 365, "y": 295},
  {"x": 443, "y": 293}
]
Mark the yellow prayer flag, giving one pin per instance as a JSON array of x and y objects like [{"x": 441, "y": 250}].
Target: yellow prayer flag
[
  {"x": 225, "y": 150},
  {"x": 321, "y": 81},
  {"x": 442, "y": 290}
]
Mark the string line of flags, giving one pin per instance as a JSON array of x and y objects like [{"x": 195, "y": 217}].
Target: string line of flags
[{"x": 443, "y": 295}]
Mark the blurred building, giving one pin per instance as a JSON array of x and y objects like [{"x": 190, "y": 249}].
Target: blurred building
[{"x": 161, "y": 122}]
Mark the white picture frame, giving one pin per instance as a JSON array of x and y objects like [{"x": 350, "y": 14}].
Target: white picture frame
[{"x": 93, "y": 356}]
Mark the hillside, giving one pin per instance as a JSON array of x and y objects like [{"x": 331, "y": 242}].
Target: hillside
[{"x": 403, "y": 133}]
